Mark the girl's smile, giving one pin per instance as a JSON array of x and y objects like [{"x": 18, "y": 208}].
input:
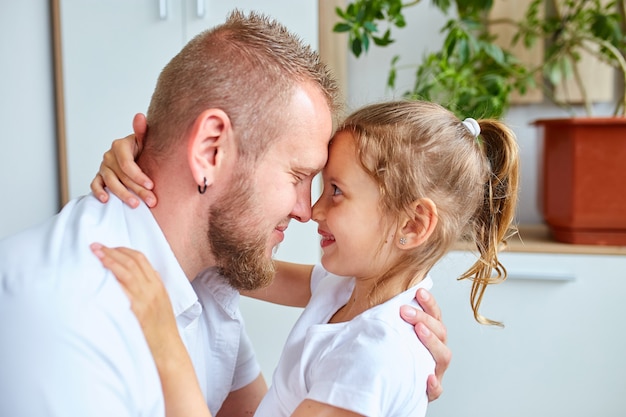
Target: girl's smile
[{"x": 327, "y": 238}]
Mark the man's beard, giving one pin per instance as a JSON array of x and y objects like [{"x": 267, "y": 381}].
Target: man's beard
[{"x": 238, "y": 248}]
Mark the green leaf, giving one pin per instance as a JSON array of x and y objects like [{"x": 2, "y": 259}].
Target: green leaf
[
  {"x": 365, "y": 40},
  {"x": 554, "y": 74},
  {"x": 443, "y": 5},
  {"x": 339, "y": 12},
  {"x": 450, "y": 44},
  {"x": 342, "y": 27},
  {"x": 370, "y": 27},
  {"x": 391, "y": 78},
  {"x": 399, "y": 21},
  {"x": 356, "y": 47},
  {"x": 464, "y": 51},
  {"x": 382, "y": 41},
  {"x": 494, "y": 52}
]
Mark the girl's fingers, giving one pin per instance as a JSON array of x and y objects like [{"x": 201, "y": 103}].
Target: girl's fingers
[
  {"x": 149, "y": 300},
  {"x": 117, "y": 187},
  {"x": 125, "y": 264},
  {"x": 121, "y": 175},
  {"x": 97, "y": 187}
]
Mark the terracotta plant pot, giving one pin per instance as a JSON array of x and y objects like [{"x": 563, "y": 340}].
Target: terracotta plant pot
[{"x": 584, "y": 179}]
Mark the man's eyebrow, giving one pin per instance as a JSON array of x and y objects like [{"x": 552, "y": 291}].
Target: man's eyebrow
[{"x": 307, "y": 171}]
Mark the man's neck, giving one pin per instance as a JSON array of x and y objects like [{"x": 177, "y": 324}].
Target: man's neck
[{"x": 183, "y": 222}]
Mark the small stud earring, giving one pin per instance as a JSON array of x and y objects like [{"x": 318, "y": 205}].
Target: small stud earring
[{"x": 403, "y": 240}]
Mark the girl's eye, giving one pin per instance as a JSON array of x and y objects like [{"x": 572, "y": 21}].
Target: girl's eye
[{"x": 336, "y": 190}]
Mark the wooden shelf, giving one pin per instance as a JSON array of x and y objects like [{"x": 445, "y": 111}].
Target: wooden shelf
[{"x": 536, "y": 239}]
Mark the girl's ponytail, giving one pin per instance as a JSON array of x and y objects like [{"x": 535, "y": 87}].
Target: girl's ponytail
[{"x": 491, "y": 224}]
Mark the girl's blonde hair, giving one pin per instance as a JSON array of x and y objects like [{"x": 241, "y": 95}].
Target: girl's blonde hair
[{"x": 415, "y": 149}]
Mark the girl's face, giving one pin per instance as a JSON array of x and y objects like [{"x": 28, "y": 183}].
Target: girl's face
[{"x": 356, "y": 240}]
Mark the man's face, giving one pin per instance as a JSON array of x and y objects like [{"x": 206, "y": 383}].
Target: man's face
[{"x": 249, "y": 220}]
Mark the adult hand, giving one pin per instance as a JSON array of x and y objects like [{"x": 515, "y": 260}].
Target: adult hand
[
  {"x": 432, "y": 332},
  {"x": 119, "y": 172}
]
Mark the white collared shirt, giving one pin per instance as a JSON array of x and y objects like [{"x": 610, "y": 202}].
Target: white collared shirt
[{"x": 69, "y": 343}]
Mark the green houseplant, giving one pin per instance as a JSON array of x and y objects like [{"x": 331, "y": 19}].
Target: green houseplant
[
  {"x": 470, "y": 74},
  {"x": 475, "y": 73}
]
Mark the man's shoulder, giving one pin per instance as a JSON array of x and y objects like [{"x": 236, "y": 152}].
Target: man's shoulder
[{"x": 56, "y": 253}]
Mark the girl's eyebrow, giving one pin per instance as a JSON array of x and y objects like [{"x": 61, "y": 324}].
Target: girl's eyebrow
[{"x": 334, "y": 180}]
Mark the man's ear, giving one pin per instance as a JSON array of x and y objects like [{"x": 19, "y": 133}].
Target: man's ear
[
  {"x": 419, "y": 225},
  {"x": 210, "y": 141}
]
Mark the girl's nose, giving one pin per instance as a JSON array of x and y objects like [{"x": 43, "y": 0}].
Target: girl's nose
[{"x": 317, "y": 211}]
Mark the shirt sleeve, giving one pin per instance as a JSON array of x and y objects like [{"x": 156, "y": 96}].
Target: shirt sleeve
[{"x": 247, "y": 368}]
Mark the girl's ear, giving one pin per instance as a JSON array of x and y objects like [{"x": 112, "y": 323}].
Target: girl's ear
[
  {"x": 211, "y": 141},
  {"x": 419, "y": 225}
]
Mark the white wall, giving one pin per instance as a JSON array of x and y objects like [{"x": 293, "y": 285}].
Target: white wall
[{"x": 28, "y": 182}]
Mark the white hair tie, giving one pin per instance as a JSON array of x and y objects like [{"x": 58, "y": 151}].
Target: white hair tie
[{"x": 472, "y": 125}]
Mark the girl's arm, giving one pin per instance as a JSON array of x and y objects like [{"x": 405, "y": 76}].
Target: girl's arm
[
  {"x": 310, "y": 408},
  {"x": 151, "y": 304},
  {"x": 291, "y": 285}
]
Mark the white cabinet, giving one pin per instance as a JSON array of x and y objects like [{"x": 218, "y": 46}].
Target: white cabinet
[
  {"x": 561, "y": 352},
  {"x": 113, "y": 52}
]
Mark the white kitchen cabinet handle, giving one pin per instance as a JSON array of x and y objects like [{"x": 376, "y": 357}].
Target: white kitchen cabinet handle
[
  {"x": 163, "y": 9},
  {"x": 200, "y": 9},
  {"x": 551, "y": 276}
]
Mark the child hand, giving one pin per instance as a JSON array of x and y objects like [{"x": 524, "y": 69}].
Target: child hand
[
  {"x": 433, "y": 334},
  {"x": 151, "y": 304},
  {"x": 119, "y": 172},
  {"x": 149, "y": 300}
]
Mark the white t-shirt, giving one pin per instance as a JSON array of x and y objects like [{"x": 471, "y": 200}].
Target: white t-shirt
[
  {"x": 372, "y": 365},
  {"x": 69, "y": 343}
]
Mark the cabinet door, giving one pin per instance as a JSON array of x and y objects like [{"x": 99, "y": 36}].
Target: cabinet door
[
  {"x": 300, "y": 17},
  {"x": 113, "y": 52},
  {"x": 561, "y": 352}
]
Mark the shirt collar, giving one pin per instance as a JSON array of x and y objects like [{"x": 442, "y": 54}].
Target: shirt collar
[
  {"x": 210, "y": 282},
  {"x": 145, "y": 235}
]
